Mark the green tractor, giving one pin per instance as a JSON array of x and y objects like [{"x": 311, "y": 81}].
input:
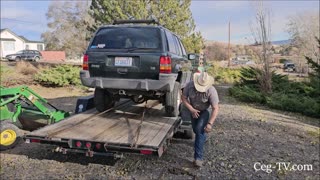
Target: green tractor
[{"x": 22, "y": 103}]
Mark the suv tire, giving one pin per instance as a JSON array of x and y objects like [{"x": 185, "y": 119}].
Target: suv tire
[
  {"x": 173, "y": 101},
  {"x": 103, "y": 99}
]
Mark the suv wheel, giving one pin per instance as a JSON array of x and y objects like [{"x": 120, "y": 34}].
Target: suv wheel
[
  {"x": 173, "y": 101},
  {"x": 17, "y": 59},
  {"x": 103, "y": 99}
]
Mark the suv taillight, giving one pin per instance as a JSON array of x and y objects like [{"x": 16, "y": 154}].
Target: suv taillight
[
  {"x": 165, "y": 64},
  {"x": 85, "y": 65}
]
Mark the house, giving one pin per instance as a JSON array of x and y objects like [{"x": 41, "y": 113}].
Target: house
[{"x": 11, "y": 43}]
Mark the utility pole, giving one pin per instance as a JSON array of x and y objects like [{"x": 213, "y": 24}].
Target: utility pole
[{"x": 229, "y": 47}]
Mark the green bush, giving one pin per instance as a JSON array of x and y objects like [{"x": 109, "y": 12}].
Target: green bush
[
  {"x": 302, "y": 97},
  {"x": 289, "y": 102},
  {"x": 59, "y": 76},
  {"x": 224, "y": 75},
  {"x": 282, "y": 60},
  {"x": 247, "y": 94}
]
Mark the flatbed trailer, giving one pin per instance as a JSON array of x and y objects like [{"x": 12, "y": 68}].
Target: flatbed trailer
[{"x": 128, "y": 127}]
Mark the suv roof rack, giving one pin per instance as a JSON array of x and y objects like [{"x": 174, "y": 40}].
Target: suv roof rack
[{"x": 136, "y": 21}]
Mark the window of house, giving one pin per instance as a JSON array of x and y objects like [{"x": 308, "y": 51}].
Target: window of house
[
  {"x": 27, "y": 46},
  {"x": 8, "y": 46},
  {"x": 40, "y": 47}
]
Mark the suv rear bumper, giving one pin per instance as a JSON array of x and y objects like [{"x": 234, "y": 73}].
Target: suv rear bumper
[{"x": 165, "y": 82}]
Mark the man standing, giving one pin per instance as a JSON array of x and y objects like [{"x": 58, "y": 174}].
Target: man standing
[{"x": 198, "y": 95}]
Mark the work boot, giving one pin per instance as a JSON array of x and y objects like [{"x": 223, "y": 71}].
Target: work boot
[{"x": 197, "y": 163}]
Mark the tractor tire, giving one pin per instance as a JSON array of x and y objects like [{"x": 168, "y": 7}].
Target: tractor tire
[
  {"x": 103, "y": 99},
  {"x": 173, "y": 101},
  {"x": 9, "y": 135}
]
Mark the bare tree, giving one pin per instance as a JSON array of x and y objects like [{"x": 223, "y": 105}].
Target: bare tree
[
  {"x": 67, "y": 27},
  {"x": 303, "y": 28},
  {"x": 261, "y": 32}
]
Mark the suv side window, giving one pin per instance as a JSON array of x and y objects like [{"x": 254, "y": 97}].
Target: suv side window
[
  {"x": 171, "y": 43},
  {"x": 179, "y": 51},
  {"x": 184, "y": 53}
]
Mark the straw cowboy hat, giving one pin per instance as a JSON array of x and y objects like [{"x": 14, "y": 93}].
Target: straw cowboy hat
[{"x": 202, "y": 81}]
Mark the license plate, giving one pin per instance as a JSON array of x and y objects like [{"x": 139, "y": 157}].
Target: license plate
[{"x": 123, "y": 61}]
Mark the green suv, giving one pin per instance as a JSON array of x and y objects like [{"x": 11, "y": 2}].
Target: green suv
[{"x": 136, "y": 61}]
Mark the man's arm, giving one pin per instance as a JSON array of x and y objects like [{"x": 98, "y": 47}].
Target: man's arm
[
  {"x": 194, "y": 112},
  {"x": 215, "y": 110}
]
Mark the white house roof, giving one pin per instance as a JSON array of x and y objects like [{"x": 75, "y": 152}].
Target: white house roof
[{"x": 20, "y": 37}]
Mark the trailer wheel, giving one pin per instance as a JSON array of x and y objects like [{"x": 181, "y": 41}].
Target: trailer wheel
[
  {"x": 103, "y": 99},
  {"x": 173, "y": 101},
  {"x": 188, "y": 134},
  {"x": 9, "y": 135}
]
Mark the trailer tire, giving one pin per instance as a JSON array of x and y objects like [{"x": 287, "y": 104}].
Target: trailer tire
[
  {"x": 188, "y": 134},
  {"x": 173, "y": 101},
  {"x": 103, "y": 99},
  {"x": 9, "y": 135}
]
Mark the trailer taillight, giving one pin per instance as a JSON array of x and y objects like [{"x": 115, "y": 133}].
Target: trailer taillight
[
  {"x": 35, "y": 140},
  {"x": 78, "y": 144},
  {"x": 85, "y": 65},
  {"x": 146, "y": 152},
  {"x": 98, "y": 146},
  {"x": 88, "y": 145},
  {"x": 165, "y": 64}
]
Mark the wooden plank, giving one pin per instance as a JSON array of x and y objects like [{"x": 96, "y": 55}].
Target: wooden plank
[
  {"x": 114, "y": 127},
  {"x": 68, "y": 122}
]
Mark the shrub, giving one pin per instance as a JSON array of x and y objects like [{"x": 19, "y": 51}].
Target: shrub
[
  {"x": 247, "y": 94},
  {"x": 224, "y": 75},
  {"x": 288, "y": 102},
  {"x": 302, "y": 97},
  {"x": 61, "y": 75},
  {"x": 26, "y": 68}
]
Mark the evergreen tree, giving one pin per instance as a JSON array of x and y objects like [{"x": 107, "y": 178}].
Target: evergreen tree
[{"x": 175, "y": 15}]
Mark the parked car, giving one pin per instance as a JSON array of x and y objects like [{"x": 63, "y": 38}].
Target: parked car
[
  {"x": 289, "y": 67},
  {"x": 135, "y": 61},
  {"x": 32, "y": 55}
]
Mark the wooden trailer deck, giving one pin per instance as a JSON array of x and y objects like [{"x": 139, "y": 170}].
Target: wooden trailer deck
[{"x": 120, "y": 126}]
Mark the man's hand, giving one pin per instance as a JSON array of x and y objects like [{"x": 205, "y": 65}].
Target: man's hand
[
  {"x": 208, "y": 128},
  {"x": 195, "y": 113}
]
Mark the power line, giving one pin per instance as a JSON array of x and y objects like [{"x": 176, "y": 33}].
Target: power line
[{"x": 29, "y": 22}]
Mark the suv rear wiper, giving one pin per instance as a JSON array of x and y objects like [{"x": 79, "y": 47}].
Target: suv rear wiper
[{"x": 136, "y": 48}]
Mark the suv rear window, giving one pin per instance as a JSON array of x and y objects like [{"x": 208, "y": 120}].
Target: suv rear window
[{"x": 127, "y": 38}]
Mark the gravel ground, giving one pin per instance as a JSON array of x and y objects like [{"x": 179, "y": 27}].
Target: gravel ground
[{"x": 243, "y": 135}]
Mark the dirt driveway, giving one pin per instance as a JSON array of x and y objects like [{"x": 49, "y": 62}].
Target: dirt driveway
[{"x": 248, "y": 142}]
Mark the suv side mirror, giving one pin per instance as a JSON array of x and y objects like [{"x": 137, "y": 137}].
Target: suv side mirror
[{"x": 191, "y": 56}]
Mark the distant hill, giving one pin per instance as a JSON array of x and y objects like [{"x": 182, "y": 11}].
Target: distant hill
[{"x": 281, "y": 42}]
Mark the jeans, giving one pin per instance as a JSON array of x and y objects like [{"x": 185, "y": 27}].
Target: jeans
[{"x": 198, "y": 125}]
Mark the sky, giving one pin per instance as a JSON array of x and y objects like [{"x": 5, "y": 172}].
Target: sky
[{"x": 28, "y": 18}]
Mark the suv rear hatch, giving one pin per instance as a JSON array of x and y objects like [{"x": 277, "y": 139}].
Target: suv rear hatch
[{"x": 125, "y": 52}]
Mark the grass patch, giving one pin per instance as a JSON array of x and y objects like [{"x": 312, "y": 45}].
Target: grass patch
[{"x": 315, "y": 134}]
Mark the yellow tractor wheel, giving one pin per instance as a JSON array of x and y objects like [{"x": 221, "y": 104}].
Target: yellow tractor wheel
[{"x": 9, "y": 134}]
